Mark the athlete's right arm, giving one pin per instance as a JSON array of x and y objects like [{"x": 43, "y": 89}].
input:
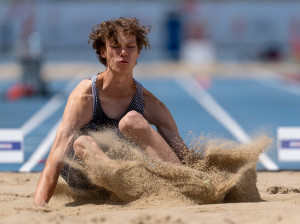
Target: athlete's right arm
[{"x": 78, "y": 112}]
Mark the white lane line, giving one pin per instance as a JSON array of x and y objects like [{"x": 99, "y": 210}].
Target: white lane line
[
  {"x": 41, "y": 150},
  {"x": 274, "y": 82},
  {"x": 50, "y": 107},
  {"x": 203, "y": 98},
  {"x": 46, "y": 111}
]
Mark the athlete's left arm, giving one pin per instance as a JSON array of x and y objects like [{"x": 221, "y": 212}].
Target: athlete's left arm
[{"x": 165, "y": 124}]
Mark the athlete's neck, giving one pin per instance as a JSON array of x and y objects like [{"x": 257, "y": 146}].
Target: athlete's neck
[{"x": 117, "y": 85}]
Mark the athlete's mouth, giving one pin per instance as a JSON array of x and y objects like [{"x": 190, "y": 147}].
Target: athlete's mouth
[{"x": 124, "y": 62}]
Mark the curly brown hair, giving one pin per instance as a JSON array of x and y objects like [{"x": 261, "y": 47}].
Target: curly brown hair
[{"x": 109, "y": 30}]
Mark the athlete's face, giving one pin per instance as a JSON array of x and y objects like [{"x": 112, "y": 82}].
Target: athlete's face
[{"x": 121, "y": 53}]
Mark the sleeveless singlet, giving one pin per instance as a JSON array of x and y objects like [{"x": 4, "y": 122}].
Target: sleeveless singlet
[
  {"x": 74, "y": 177},
  {"x": 100, "y": 119}
]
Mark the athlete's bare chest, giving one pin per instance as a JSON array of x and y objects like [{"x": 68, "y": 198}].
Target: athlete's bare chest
[{"x": 114, "y": 108}]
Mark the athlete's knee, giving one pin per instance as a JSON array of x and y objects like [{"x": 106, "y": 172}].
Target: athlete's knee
[{"x": 133, "y": 122}]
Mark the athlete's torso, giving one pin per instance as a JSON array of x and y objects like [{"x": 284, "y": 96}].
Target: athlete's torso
[{"x": 100, "y": 119}]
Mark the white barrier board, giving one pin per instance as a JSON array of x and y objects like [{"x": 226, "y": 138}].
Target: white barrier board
[
  {"x": 288, "y": 142},
  {"x": 11, "y": 146}
]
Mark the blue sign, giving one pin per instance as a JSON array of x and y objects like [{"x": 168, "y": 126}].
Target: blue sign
[
  {"x": 10, "y": 146},
  {"x": 290, "y": 144}
]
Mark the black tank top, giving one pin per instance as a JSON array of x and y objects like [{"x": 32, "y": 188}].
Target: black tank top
[{"x": 100, "y": 119}]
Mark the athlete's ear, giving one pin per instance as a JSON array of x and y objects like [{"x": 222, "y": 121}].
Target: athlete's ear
[{"x": 103, "y": 52}]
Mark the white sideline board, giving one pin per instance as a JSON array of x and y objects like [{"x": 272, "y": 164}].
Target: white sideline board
[
  {"x": 11, "y": 146},
  {"x": 288, "y": 144}
]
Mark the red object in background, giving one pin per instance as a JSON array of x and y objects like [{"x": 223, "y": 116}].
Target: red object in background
[
  {"x": 203, "y": 80},
  {"x": 294, "y": 37},
  {"x": 42, "y": 161},
  {"x": 19, "y": 91}
]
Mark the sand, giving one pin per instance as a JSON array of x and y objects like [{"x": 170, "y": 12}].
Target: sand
[
  {"x": 218, "y": 185},
  {"x": 17, "y": 190}
]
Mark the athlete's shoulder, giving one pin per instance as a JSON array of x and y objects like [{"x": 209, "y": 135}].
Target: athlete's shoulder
[
  {"x": 84, "y": 86},
  {"x": 153, "y": 105},
  {"x": 149, "y": 97},
  {"x": 83, "y": 89},
  {"x": 80, "y": 100}
]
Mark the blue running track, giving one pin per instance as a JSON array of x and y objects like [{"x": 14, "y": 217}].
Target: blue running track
[{"x": 232, "y": 108}]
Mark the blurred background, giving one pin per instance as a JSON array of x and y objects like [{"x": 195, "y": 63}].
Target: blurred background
[
  {"x": 44, "y": 43},
  {"x": 35, "y": 32},
  {"x": 224, "y": 29}
]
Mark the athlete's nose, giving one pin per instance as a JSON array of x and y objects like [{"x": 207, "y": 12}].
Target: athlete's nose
[{"x": 123, "y": 52}]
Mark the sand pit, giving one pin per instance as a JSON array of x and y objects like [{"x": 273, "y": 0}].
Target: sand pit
[{"x": 219, "y": 184}]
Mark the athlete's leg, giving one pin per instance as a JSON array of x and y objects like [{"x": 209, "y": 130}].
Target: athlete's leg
[{"x": 134, "y": 126}]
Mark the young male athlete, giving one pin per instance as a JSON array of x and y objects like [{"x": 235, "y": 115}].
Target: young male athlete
[{"x": 111, "y": 99}]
